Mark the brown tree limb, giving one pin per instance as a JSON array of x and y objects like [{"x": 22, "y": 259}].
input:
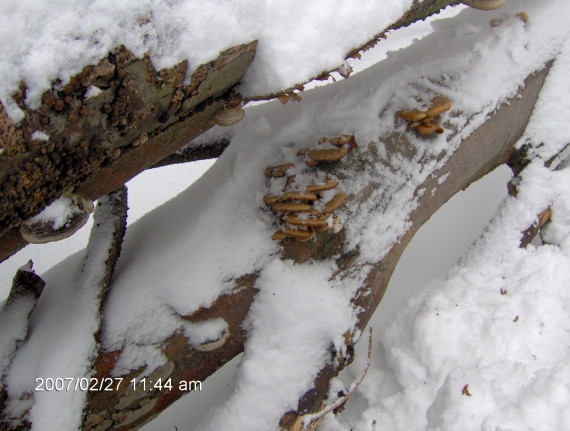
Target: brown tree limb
[
  {"x": 142, "y": 116},
  {"x": 101, "y": 255},
  {"x": 485, "y": 149},
  {"x": 97, "y": 144},
  {"x": 27, "y": 287}
]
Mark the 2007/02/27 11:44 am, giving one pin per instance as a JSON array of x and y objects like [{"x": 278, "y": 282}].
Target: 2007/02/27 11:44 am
[{"x": 110, "y": 384}]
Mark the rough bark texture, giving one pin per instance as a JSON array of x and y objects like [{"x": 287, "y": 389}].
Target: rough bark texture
[
  {"x": 105, "y": 239},
  {"x": 97, "y": 144},
  {"x": 488, "y": 147},
  {"x": 142, "y": 116},
  {"x": 26, "y": 290}
]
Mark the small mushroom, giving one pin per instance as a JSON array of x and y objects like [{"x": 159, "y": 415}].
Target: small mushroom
[
  {"x": 208, "y": 346},
  {"x": 429, "y": 128},
  {"x": 341, "y": 140},
  {"x": 485, "y": 4},
  {"x": 271, "y": 199},
  {"x": 230, "y": 115},
  {"x": 424, "y": 121},
  {"x": 60, "y": 220},
  {"x": 439, "y": 104},
  {"x": 299, "y": 235},
  {"x": 302, "y": 151},
  {"x": 290, "y": 180},
  {"x": 289, "y": 207},
  {"x": 328, "y": 155},
  {"x": 413, "y": 115},
  {"x": 310, "y": 222},
  {"x": 298, "y": 196},
  {"x": 277, "y": 171},
  {"x": 334, "y": 203},
  {"x": 279, "y": 235},
  {"x": 330, "y": 183}
]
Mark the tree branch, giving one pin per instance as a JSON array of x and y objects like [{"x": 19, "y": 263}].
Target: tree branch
[{"x": 488, "y": 147}]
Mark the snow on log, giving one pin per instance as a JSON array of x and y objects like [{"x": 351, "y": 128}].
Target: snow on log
[
  {"x": 110, "y": 122},
  {"x": 47, "y": 403},
  {"x": 119, "y": 117},
  {"x": 26, "y": 290},
  {"x": 487, "y": 147}
]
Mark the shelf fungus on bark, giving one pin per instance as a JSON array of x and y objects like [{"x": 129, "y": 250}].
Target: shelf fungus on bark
[
  {"x": 328, "y": 155},
  {"x": 278, "y": 171},
  {"x": 299, "y": 234},
  {"x": 310, "y": 206},
  {"x": 60, "y": 220},
  {"x": 209, "y": 345},
  {"x": 334, "y": 203},
  {"x": 423, "y": 121},
  {"x": 230, "y": 115},
  {"x": 485, "y": 4}
]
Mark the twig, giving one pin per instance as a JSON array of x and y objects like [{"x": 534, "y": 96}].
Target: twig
[{"x": 310, "y": 419}]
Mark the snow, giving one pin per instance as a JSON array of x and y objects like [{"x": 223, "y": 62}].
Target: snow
[
  {"x": 56, "y": 39},
  {"x": 459, "y": 331},
  {"x": 66, "y": 337},
  {"x": 57, "y": 214},
  {"x": 511, "y": 349}
]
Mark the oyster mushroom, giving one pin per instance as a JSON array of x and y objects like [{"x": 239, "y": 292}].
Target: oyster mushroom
[
  {"x": 423, "y": 121},
  {"x": 413, "y": 115},
  {"x": 334, "y": 203},
  {"x": 277, "y": 171},
  {"x": 439, "y": 104},
  {"x": 311, "y": 222},
  {"x": 289, "y": 207},
  {"x": 208, "y": 346},
  {"x": 330, "y": 183},
  {"x": 60, "y": 220},
  {"x": 230, "y": 115},
  {"x": 485, "y": 4},
  {"x": 429, "y": 128},
  {"x": 298, "y": 196},
  {"x": 299, "y": 235},
  {"x": 328, "y": 155}
]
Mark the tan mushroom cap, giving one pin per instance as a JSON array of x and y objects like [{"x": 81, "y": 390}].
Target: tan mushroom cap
[
  {"x": 341, "y": 140},
  {"x": 413, "y": 115},
  {"x": 228, "y": 116},
  {"x": 212, "y": 345},
  {"x": 41, "y": 232},
  {"x": 330, "y": 183},
  {"x": 271, "y": 199},
  {"x": 334, "y": 203},
  {"x": 485, "y": 4},
  {"x": 439, "y": 104},
  {"x": 298, "y": 196},
  {"x": 300, "y": 235},
  {"x": 311, "y": 222},
  {"x": 277, "y": 171},
  {"x": 289, "y": 207},
  {"x": 429, "y": 128},
  {"x": 328, "y": 155}
]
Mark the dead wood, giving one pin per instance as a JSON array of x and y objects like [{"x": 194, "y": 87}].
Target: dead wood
[{"x": 487, "y": 148}]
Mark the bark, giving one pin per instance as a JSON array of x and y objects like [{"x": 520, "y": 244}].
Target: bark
[
  {"x": 487, "y": 148},
  {"x": 27, "y": 287},
  {"x": 97, "y": 144},
  {"x": 101, "y": 255},
  {"x": 141, "y": 117}
]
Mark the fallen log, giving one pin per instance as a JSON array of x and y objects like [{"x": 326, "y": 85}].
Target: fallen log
[
  {"x": 487, "y": 148},
  {"x": 116, "y": 119}
]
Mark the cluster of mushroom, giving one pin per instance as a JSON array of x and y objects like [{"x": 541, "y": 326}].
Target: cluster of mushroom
[
  {"x": 307, "y": 200},
  {"x": 423, "y": 121}
]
